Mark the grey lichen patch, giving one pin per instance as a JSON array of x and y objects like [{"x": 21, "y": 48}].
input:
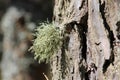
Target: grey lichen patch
[{"x": 48, "y": 41}]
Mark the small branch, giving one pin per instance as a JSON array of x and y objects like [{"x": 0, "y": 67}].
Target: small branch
[{"x": 45, "y": 76}]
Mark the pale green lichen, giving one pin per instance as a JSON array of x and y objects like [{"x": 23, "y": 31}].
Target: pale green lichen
[{"x": 48, "y": 41}]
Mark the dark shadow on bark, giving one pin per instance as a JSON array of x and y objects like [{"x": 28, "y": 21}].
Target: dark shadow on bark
[
  {"x": 110, "y": 36},
  {"x": 106, "y": 65},
  {"x": 82, "y": 29},
  {"x": 91, "y": 73},
  {"x": 84, "y": 74},
  {"x": 108, "y": 62},
  {"x": 107, "y": 27},
  {"x": 118, "y": 29},
  {"x": 63, "y": 60},
  {"x": 83, "y": 2},
  {"x": 68, "y": 28}
]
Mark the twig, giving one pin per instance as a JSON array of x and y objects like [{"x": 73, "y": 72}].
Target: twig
[{"x": 45, "y": 76}]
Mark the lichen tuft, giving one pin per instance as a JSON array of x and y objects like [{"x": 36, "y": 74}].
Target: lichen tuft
[{"x": 47, "y": 42}]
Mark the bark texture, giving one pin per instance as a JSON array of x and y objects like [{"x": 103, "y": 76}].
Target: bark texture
[{"x": 91, "y": 48}]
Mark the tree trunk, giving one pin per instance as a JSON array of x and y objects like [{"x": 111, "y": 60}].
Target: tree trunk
[{"x": 91, "y": 48}]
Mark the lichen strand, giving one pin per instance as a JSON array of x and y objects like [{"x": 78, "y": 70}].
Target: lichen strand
[{"x": 48, "y": 41}]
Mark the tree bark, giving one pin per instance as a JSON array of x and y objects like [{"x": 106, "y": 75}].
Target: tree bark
[{"x": 91, "y": 48}]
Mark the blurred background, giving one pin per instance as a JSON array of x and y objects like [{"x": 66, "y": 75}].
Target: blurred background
[{"x": 18, "y": 19}]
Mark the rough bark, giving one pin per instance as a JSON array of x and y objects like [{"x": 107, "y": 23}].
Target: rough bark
[{"x": 91, "y": 48}]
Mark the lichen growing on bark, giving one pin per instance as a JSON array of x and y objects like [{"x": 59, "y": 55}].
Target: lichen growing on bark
[{"x": 48, "y": 41}]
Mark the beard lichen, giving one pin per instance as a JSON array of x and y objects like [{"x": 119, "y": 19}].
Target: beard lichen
[{"x": 47, "y": 42}]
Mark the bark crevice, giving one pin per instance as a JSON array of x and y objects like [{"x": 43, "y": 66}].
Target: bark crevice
[
  {"x": 110, "y": 36},
  {"x": 63, "y": 60},
  {"x": 106, "y": 25},
  {"x": 83, "y": 32},
  {"x": 118, "y": 29},
  {"x": 83, "y": 3}
]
